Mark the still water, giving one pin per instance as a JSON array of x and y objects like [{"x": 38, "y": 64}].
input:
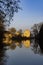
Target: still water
[{"x": 21, "y": 53}]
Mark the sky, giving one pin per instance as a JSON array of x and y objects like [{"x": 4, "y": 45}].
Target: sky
[{"x": 31, "y": 13}]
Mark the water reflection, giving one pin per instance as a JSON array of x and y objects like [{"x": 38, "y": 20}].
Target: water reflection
[
  {"x": 26, "y": 43},
  {"x": 2, "y": 56},
  {"x": 33, "y": 43},
  {"x": 12, "y": 46},
  {"x": 37, "y": 33},
  {"x": 35, "y": 46}
]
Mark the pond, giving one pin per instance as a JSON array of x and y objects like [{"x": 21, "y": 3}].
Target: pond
[{"x": 21, "y": 53}]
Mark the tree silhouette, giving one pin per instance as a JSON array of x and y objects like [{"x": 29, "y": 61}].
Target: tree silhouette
[
  {"x": 3, "y": 57},
  {"x": 35, "y": 30},
  {"x": 8, "y": 8},
  {"x": 38, "y": 42},
  {"x": 12, "y": 30},
  {"x": 2, "y": 29},
  {"x": 41, "y": 38},
  {"x": 35, "y": 46}
]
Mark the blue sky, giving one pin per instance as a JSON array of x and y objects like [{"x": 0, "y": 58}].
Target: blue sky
[{"x": 32, "y": 13}]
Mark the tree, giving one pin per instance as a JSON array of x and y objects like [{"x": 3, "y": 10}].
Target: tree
[
  {"x": 20, "y": 32},
  {"x": 7, "y": 9},
  {"x": 38, "y": 43},
  {"x": 2, "y": 29},
  {"x": 37, "y": 46},
  {"x": 41, "y": 38},
  {"x": 12, "y": 30},
  {"x": 36, "y": 28}
]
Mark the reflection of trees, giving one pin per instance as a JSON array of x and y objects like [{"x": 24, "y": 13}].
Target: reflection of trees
[
  {"x": 26, "y": 43},
  {"x": 19, "y": 44},
  {"x": 36, "y": 47},
  {"x": 37, "y": 33},
  {"x": 15, "y": 44},
  {"x": 2, "y": 56}
]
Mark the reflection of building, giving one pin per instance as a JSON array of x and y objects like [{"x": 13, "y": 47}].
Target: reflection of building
[
  {"x": 26, "y": 33},
  {"x": 26, "y": 43}
]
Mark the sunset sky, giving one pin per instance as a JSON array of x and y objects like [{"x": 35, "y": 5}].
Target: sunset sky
[{"x": 32, "y": 12}]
